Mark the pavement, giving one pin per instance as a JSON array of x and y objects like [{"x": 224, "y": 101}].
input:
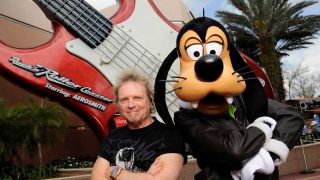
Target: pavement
[{"x": 313, "y": 174}]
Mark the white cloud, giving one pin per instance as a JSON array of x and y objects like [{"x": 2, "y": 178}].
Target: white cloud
[
  {"x": 210, "y": 6},
  {"x": 227, "y": 6},
  {"x": 309, "y": 56}
]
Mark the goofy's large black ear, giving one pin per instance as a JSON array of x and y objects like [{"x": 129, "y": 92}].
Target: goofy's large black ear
[
  {"x": 160, "y": 88},
  {"x": 254, "y": 96}
]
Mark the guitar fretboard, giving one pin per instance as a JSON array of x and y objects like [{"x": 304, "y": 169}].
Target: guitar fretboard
[{"x": 79, "y": 17}]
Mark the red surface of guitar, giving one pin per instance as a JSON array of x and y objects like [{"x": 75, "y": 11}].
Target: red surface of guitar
[{"x": 261, "y": 75}]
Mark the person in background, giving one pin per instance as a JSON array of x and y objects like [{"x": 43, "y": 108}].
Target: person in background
[
  {"x": 305, "y": 130},
  {"x": 317, "y": 119},
  {"x": 145, "y": 148},
  {"x": 311, "y": 126},
  {"x": 314, "y": 130}
]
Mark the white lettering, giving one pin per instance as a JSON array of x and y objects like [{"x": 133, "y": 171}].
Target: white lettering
[
  {"x": 89, "y": 102},
  {"x": 60, "y": 91},
  {"x": 54, "y": 77}
]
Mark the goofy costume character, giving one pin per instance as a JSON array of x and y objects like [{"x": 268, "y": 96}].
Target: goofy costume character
[{"x": 234, "y": 130}]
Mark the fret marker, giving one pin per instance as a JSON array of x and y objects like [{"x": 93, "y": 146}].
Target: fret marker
[{"x": 104, "y": 60}]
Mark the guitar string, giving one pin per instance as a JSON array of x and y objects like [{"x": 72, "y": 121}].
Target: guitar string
[
  {"x": 102, "y": 35},
  {"x": 109, "y": 22},
  {"x": 73, "y": 22},
  {"x": 92, "y": 35}
]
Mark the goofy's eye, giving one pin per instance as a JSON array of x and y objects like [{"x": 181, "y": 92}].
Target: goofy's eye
[
  {"x": 194, "y": 51},
  {"x": 214, "y": 48}
]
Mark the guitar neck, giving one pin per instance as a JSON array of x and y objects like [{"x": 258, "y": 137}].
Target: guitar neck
[{"x": 80, "y": 18}]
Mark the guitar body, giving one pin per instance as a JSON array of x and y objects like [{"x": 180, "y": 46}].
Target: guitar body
[{"x": 52, "y": 71}]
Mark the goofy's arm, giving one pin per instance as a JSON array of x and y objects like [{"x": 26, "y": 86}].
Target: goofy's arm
[
  {"x": 223, "y": 144},
  {"x": 287, "y": 131}
]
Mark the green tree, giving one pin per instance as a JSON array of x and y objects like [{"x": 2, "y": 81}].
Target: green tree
[
  {"x": 30, "y": 126},
  {"x": 46, "y": 123},
  {"x": 12, "y": 134},
  {"x": 266, "y": 30}
]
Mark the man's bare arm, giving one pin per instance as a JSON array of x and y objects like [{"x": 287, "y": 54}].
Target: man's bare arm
[
  {"x": 99, "y": 170},
  {"x": 167, "y": 166}
]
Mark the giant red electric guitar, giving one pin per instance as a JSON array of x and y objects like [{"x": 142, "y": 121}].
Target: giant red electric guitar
[{"x": 88, "y": 51}]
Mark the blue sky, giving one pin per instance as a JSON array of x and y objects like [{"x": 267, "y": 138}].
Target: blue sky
[{"x": 310, "y": 56}]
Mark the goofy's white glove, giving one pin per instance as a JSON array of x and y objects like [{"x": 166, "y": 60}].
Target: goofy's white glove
[
  {"x": 261, "y": 162},
  {"x": 265, "y": 124},
  {"x": 267, "y": 120}
]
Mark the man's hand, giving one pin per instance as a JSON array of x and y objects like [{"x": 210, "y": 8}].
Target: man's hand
[
  {"x": 166, "y": 166},
  {"x": 100, "y": 168},
  {"x": 154, "y": 169}
]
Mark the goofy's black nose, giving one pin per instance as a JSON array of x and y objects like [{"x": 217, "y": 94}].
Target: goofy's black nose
[{"x": 208, "y": 68}]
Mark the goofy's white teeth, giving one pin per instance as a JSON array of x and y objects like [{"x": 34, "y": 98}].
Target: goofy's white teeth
[
  {"x": 229, "y": 100},
  {"x": 194, "y": 105}
]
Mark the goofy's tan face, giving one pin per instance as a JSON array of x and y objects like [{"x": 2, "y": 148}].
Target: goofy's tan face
[{"x": 209, "y": 80}]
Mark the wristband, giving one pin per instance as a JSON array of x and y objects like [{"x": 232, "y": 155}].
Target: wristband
[{"x": 115, "y": 171}]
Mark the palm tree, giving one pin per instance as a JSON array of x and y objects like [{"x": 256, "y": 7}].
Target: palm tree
[
  {"x": 12, "y": 134},
  {"x": 28, "y": 127},
  {"x": 267, "y": 29},
  {"x": 45, "y": 123}
]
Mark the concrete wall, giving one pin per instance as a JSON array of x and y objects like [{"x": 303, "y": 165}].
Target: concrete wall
[
  {"x": 76, "y": 143},
  {"x": 296, "y": 163}
]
